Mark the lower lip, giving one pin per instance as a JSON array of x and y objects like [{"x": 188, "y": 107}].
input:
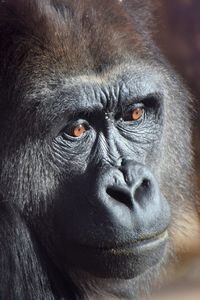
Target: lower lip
[
  {"x": 125, "y": 262},
  {"x": 138, "y": 247}
]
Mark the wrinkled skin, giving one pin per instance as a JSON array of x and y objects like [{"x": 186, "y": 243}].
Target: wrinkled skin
[{"x": 95, "y": 150}]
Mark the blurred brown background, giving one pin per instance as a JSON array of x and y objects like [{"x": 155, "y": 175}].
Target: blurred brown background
[{"x": 180, "y": 40}]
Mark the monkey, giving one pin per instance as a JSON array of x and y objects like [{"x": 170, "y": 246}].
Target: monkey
[{"x": 95, "y": 153}]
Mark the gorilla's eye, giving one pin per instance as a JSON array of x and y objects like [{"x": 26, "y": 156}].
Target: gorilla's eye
[
  {"x": 79, "y": 130},
  {"x": 75, "y": 129},
  {"x": 137, "y": 113}
]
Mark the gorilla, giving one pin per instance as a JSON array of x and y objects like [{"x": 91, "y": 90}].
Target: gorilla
[{"x": 95, "y": 173}]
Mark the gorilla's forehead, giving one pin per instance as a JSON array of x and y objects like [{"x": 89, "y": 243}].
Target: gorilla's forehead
[{"x": 92, "y": 91}]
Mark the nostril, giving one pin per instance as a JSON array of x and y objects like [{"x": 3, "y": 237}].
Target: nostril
[
  {"x": 146, "y": 184},
  {"x": 120, "y": 195},
  {"x": 143, "y": 191}
]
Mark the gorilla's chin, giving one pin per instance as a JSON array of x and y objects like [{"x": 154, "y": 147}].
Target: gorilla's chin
[{"x": 96, "y": 287}]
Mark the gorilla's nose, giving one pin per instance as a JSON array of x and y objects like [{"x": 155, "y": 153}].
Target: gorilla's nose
[
  {"x": 136, "y": 187},
  {"x": 137, "y": 191},
  {"x": 131, "y": 196}
]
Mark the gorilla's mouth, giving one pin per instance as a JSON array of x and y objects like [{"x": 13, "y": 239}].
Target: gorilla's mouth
[
  {"x": 123, "y": 262},
  {"x": 137, "y": 246}
]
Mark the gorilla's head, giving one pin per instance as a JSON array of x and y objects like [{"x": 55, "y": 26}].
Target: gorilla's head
[{"x": 95, "y": 139}]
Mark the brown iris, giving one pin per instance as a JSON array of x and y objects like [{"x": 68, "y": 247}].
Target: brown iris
[
  {"x": 137, "y": 113},
  {"x": 79, "y": 130}
]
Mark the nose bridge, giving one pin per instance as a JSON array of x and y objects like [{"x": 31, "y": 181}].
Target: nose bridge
[
  {"x": 106, "y": 148},
  {"x": 133, "y": 172}
]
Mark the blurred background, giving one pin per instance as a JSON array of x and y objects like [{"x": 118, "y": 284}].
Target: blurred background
[{"x": 180, "y": 41}]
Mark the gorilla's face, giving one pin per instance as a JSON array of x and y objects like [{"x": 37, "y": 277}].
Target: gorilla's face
[{"x": 109, "y": 215}]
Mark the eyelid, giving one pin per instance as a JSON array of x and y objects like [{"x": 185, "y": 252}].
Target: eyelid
[{"x": 136, "y": 105}]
